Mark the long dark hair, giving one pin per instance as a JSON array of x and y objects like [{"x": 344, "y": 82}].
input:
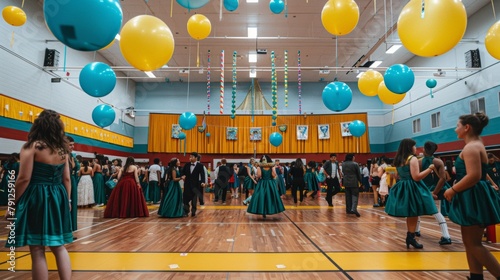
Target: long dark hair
[
  {"x": 49, "y": 129},
  {"x": 130, "y": 161},
  {"x": 12, "y": 159},
  {"x": 404, "y": 151},
  {"x": 172, "y": 164},
  {"x": 299, "y": 163},
  {"x": 86, "y": 165}
]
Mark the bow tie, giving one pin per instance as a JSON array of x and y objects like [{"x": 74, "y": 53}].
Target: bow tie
[{"x": 193, "y": 164}]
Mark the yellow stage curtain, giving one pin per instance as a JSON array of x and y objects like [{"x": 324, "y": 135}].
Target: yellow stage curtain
[
  {"x": 160, "y": 135},
  {"x": 18, "y": 110}
]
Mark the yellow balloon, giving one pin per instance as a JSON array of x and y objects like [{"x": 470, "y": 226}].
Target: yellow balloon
[
  {"x": 387, "y": 96},
  {"x": 340, "y": 17},
  {"x": 369, "y": 82},
  {"x": 108, "y": 46},
  {"x": 492, "y": 40},
  {"x": 14, "y": 16},
  {"x": 199, "y": 26},
  {"x": 433, "y": 31},
  {"x": 146, "y": 42}
]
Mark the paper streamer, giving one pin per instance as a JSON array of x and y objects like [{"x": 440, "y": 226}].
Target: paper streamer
[
  {"x": 221, "y": 106},
  {"x": 171, "y": 7},
  {"x": 233, "y": 96},
  {"x": 208, "y": 83},
  {"x": 299, "y": 82},
  {"x": 286, "y": 78}
]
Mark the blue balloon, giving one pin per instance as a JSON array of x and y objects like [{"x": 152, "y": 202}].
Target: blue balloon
[
  {"x": 192, "y": 4},
  {"x": 277, "y": 6},
  {"x": 399, "y": 78},
  {"x": 103, "y": 115},
  {"x": 357, "y": 128},
  {"x": 337, "y": 96},
  {"x": 187, "y": 120},
  {"x": 208, "y": 134},
  {"x": 431, "y": 83},
  {"x": 84, "y": 25},
  {"x": 231, "y": 5},
  {"x": 182, "y": 135},
  {"x": 97, "y": 79},
  {"x": 275, "y": 139}
]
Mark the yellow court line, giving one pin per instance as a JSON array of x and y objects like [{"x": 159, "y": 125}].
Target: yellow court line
[
  {"x": 5, "y": 257},
  {"x": 257, "y": 262},
  {"x": 88, "y": 261}
]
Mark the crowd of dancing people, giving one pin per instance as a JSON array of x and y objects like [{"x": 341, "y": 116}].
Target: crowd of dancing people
[{"x": 52, "y": 182}]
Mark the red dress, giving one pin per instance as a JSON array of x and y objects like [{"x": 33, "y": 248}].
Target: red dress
[{"x": 126, "y": 200}]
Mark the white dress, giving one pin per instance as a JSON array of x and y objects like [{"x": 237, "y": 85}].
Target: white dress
[{"x": 85, "y": 191}]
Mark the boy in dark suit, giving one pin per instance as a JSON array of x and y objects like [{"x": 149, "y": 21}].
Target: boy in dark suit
[{"x": 193, "y": 175}]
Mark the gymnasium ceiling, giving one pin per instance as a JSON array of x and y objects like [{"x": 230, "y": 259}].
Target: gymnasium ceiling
[{"x": 300, "y": 30}]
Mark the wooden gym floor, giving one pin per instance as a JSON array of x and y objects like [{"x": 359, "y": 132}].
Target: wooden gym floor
[{"x": 311, "y": 241}]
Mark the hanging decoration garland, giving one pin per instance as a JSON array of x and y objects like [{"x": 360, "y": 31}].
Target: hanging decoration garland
[
  {"x": 286, "y": 78},
  {"x": 233, "y": 97},
  {"x": 208, "y": 83},
  {"x": 274, "y": 87},
  {"x": 299, "y": 82},
  {"x": 221, "y": 106}
]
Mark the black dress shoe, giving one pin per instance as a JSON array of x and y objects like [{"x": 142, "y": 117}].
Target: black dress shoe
[
  {"x": 185, "y": 215},
  {"x": 356, "y": 213},
  {"x": 193, "y": 214},
  {"x": 330, "y": 205},
  {"x": 202, "y": 203},
  {"x": 349, "y": 212}
]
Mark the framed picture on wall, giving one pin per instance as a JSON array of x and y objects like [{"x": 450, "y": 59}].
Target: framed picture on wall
[
  {"x": 176, "y": 129},
  {"x": 323, "y": 131},
  {"x": 232, "y": 133},
  {"x": 344, "y": 129},
  {"x": 302, "y": 132},
  {"x": 255, "y": 134}
]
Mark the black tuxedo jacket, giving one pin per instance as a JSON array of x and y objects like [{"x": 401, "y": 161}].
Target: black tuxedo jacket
[{"x": 195, "y": 178}]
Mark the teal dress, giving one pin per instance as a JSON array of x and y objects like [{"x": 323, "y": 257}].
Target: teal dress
[
  {"x": 99, "y": 188},
  {"x": 311, "y": 180},
  {"x": 248, "y": 183},
  {"x": 171, "y": 205},
  {"x": 431, "y": 181},
  {"x": 7, "y": 176},
  {"x": 280, "y": 182},
  {"x": 409, "y": 198},
  {"x": 74, "y": 193},
  {"x": 478, "y": 205},
  {"x": 266, "y": 199},
  {"x": 42, "y": 212}
]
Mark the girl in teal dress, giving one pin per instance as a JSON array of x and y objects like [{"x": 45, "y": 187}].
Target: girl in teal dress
[
  {"x": 98, "y": 182},
  {"x": 410, "y": 197},
  {"x": 171, "y": 205},
  {"x": 474, "y": 203},
  {"x": 10, "y": 171},
  {"x": 42, "y": 215},
  {"x": 249, "y": 181},
  {"x": 280, "y": 181},
  {"x": 312, "y": 183},
  {"x": 266, "y": 199}
]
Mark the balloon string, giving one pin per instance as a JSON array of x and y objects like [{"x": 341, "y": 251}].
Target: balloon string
[
  {"x": 375, "y": 6},
  {"x": 286, "y": 8},
  {"x": 392, "y": 122},
  {"x": 198, "y": 55},
  {"x": 423, "y": 9},
  {"x": 184, "y": 146},
  {"x": 493, "y": 6},
  {"x": 432, "y": 95},
  {"x": 22, "y": 5},
  {"x": 12, "y": 40},
  {"x": 171, "y": 7},
  {"x": 64, "y": 65}
]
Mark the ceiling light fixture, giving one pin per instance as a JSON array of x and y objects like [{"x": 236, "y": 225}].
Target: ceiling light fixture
[
  {"x": 252, "y": 1},
  {"x": 252, "y": 32},
  {"x": 376, "y": 64},
  {"x": 150, "y": 74},
  {"x": 393, "y": 49}
]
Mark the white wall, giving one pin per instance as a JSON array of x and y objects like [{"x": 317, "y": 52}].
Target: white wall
[{"x": 22, "y": 76}]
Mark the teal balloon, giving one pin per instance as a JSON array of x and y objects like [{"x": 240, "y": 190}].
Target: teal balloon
[
  {"x": 357, "y": 128},
  {"x": 275, "y": 139},
  {"x": 187, "y": 120},
  {"x": 88, "y": 25},
  {"x": 182, "y": 135},
  {"x": 97, "y": 79},
  {"x": 208, "y": 134},
  {"x": 276, "y": 6},
  {"x": 431, "y": 83},
  {"x": 399, "y": 78},
  {"x": 103, "y": 115},
  {"x": 337, "y": 96},
  {"x": 192, "y": 4}
]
